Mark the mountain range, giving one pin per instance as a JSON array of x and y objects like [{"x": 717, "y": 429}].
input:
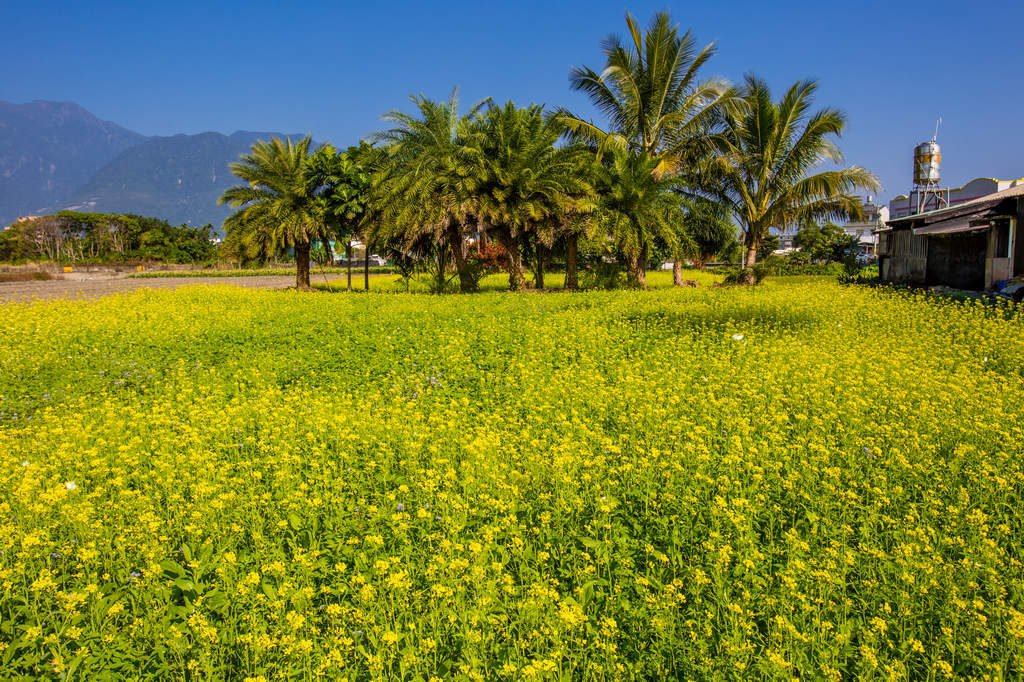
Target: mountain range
[{"x": 57, "y": 156}]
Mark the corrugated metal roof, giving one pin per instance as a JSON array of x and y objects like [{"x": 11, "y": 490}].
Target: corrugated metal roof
[
  {"x": 949, "y": 227},
  {"x": 967, "y": 208}
]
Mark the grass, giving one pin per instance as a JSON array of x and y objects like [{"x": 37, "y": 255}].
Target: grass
[
  {"x": 253, "y": 272},
  {"x": 25, "y": 276},
  {"x": 792, "y": 481},
  {"x": 496, "y": 282},
  {"x": 420, "y": 283}
]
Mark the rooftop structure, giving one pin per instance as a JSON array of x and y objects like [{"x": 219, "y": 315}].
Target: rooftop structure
[{"x": 923, "y": 200}]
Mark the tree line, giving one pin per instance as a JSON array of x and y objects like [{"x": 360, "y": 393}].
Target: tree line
[
  {"x": 72, "y": 237},
  {"x": 680, "y": 164}
]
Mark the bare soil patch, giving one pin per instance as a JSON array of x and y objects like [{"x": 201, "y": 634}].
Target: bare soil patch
[{"x": 93, "y": 286}]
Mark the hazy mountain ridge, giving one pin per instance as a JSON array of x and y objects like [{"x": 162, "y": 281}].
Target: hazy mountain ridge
[
  {"x": 177, "y": 178},
  {"x": 57, "y": 156},
  {"x": 48, "y": 150}
]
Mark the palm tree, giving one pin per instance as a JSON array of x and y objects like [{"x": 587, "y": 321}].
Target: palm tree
[
  {"x": 583, "y": 221},
  {"x": 372, "y": 161},
  {"x": 765, "y": 157},
  {"x": 709, "y": 230},
  {"x": 277, "y": 209},
  {"x": 520, "y": 185},
  {"x": 342, "y": 185},
  {"x": 641, "y": 206},
  {"x": 420, "y": 194},
  {"x": 575, "y": 225},
  {"x": 652, "y": 95},
  {"x": 656, "y": 103},
  {"x": 703, "y": 230}
]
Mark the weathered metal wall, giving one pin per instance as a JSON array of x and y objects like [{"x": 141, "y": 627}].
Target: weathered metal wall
[
  {"x": 1018, "y": 247},
  {"x": 997, "y": 267},
  {"x": 905, "y": 259},
  {"x": 958, "y": 260}
]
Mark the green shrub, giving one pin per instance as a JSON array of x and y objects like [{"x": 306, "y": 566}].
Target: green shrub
[
  {"x": 754, "y": 275},
  {"x": 603, "y": 275}
]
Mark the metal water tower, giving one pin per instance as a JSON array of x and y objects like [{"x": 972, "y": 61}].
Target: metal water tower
[
  {"x": 927, "y": 164},
  {"x": 927, "y": 196}
]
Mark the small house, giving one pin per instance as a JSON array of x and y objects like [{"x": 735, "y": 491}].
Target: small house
[{"x": 974, "y": 245}]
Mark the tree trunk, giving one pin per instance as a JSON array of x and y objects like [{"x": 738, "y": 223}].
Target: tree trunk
[
  {"x": 348, "y": 263},
  {"x": 466, "y": 284},
  {"x": 639, "y": 266},
  {"x": 538, "y": 280},
  {"x": 677, "y": 272},
  {"x": 571, "y": 279},
  {"x": 515, "y": 265},
  {"x": 366, "y": 266},
  {"x": 442, "y": 266},
  {"x": 751, "y": 256},
  {"x": 328, "y": 256},
  {"x": 302, "y": 266},
  {"x": 631, "y": 267}
]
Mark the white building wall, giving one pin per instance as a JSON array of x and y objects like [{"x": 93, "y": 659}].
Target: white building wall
[{"x": 864, "y": 230}]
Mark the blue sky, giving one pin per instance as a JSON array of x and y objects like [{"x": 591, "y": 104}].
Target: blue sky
[{"x": 333, "y": 68}]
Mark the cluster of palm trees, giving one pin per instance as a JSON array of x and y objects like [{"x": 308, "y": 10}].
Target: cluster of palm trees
[{"x": 681, "y": 160}]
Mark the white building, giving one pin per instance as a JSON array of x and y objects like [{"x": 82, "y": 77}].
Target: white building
[
  {"x": 864, "y": 230},
  {"x": 786, "y": 236},
  {"x": 874, "y": 218}
]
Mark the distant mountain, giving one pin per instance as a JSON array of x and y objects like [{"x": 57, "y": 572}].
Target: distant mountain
[
  {"x": 48, "y": 150},
  {"x": 177, "y": 178}
]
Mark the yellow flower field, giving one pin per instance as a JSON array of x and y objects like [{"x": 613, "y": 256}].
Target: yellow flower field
[{"x": 793, "y": 481}]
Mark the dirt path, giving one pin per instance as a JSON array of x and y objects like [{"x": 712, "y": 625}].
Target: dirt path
[{"x": 85, "y": 286}]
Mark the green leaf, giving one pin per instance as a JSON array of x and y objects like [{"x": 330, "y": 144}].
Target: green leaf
[
  {"x": 185, "y": 585},
  {"x": 172, "y": 569}
]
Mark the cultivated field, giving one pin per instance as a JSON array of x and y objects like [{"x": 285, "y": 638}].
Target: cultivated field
[{"x": 793, "y": 481}]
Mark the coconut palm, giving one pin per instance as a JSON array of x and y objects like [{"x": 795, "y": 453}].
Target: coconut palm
[
  {"x": 767, "y": 153},
  {"x": 651, "y": 93},
  {"x": 420, "y": 194},
  {"x": 520, "y": 186},
  {"x": 277, "y": 209},
  {"x": 657, "y": 105}
]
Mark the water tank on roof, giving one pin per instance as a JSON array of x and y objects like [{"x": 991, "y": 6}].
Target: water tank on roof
[{"x": 927, "y": 162}]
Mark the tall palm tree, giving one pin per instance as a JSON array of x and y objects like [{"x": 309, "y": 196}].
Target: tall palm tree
[
  {"x": 640, "y": 206},
  {"x": 651, "y": 93},
  {"x": 766, "y": 156},
  {"x": 420, "y": 194},
  {"x": 656, "y": 103},
  {"x": 520, "y": 185},
  {"x": 277, "y": 209}
]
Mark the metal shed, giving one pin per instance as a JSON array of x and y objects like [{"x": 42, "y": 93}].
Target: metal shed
[{"x": 973, "y": 245}]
